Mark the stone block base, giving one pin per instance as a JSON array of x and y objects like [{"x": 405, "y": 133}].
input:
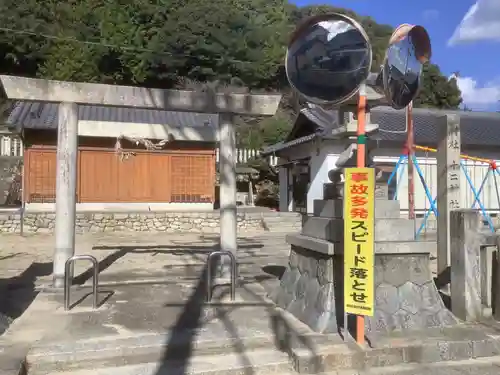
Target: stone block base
[
  {"x": 308, "y": 289},
  {"x": 406, "y": 297}
]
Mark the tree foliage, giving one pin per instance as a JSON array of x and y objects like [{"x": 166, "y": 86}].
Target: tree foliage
[
  {"x": 163, "y": 43},
  {"x": 437, "y": 91}
]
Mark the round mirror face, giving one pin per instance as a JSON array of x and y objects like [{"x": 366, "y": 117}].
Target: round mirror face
[
  {"x": 402, "y": 72},
  {"x": 328, "y": 58}
]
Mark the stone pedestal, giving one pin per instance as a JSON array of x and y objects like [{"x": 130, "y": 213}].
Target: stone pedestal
[
  {"x": 405, "y": 294},
  {"x": 465, "y": 265}
]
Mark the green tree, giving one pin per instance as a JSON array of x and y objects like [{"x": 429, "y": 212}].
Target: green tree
[
  {"x": 228, "y": 38},
  {"x": 160, "y": 43},
  {"x": 20, "y": 53},
  {"x": 437, "y": 91},
  {"x": 157, "y": 42},
  {"x": 264, "y": 132}
]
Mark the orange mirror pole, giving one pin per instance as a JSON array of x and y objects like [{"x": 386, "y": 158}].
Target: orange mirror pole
[{"x": 361, "y": 157}]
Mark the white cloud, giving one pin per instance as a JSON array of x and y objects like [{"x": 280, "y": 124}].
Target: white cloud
[
  {"x": 475, "y": 95},
  {"x": 481, "y": 22}
]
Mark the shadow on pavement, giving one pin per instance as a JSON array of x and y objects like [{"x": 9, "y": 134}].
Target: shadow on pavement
[
  {"x": 176, "y": 360},
  {"x": 17, "y": 293},
  {"x": 198, "y": 253}
]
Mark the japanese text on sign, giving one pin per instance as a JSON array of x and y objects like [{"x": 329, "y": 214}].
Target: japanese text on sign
[{"x": 359, "y": 220}]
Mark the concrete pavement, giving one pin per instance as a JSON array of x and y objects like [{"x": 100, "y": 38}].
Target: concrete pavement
[
  {"x": 28, "y": 260},
  {"x": 153, "y": 313}
]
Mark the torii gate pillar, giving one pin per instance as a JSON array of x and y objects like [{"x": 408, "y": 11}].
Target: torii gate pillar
[
  {"x": 66, "y": 177},
  {"x": 71, "y": 94}
]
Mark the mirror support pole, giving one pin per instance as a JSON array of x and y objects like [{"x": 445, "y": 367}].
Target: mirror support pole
[{"x": 410, "y": 146}]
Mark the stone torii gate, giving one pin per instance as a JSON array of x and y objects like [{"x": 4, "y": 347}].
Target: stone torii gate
[{"x": 70, "y": 94}]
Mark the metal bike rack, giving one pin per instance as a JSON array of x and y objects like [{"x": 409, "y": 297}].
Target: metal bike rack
[
  {"x": 68, "y": 282},
  {"x": 233, "y": 273}
]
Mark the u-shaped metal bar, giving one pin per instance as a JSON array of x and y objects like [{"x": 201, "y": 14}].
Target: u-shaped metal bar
[
  {"x": 233, "y": 273},
  {"x": 68, "y": 282}
]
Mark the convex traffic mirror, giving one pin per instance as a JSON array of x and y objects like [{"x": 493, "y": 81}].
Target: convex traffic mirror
[{"x": 329, "y": 56}]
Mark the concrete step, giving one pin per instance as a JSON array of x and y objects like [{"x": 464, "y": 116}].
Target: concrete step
[
  {"x": 235, "y": 339},
  {"x": 333, "y": 208},
  {"x": 333, "y": 229},
  {"x": 481, "y": 366},
  {"x": 284, "y": 222},
  {"x": 433, "y": 347},
  {"x": 288, "y": 349},
  {"x": 280, "y": 214},
  {"x": 283, "y": 229},
  {"x": 229, "y": 338},
  {"x": 230, "y": 363},
  {"x": 297, "y": 224},
  {"x": 282, "y": 225},
  {"x": 477, "y": 366},
  {"x": 283, "y": 219}
]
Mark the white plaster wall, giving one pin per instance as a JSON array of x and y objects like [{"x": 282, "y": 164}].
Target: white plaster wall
[
  {"x": 151, "y": 131},
  {"x": 323, "y": 159},
  {"x": 324, "y": 155}
]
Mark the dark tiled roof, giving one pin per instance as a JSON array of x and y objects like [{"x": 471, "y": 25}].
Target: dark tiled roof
[
  {"x": 34, "y": 115},
  {"x": 476, "y": 128},
  {"x": 325, "y": 120}
]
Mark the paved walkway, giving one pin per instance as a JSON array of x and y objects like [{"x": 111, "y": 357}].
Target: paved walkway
[
  {"x": 26, "y": 262},
  {"x": 29, "y": 259}
]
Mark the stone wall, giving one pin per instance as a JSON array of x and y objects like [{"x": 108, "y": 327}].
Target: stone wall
[{"x": 170, "y": 222}]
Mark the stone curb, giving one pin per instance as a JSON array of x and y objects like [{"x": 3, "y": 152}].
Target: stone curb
[
  {"x": 147, "y": 349},
  {"x": 306, "y": 360},
  {"x": 257, "y": 362},
  {"x": 425, "y": 353},
  {"x": 110, "y": 347}
]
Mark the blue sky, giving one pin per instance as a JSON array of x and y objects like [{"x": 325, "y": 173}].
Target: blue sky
[{"x": 465, "y": 37}]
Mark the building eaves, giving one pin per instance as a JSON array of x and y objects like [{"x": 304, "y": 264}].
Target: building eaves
[
  {"x": 477, "y": 128},
  {"x": 284, "y": 145},
  {"x": 35, "y": 115},
  {"x": 325, "y": 119}
]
